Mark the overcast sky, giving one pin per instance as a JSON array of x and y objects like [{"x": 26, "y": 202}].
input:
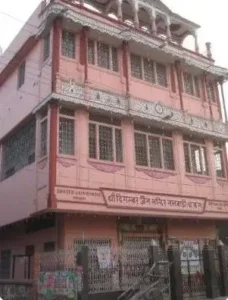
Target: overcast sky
[{"x": 211, "y": 15}]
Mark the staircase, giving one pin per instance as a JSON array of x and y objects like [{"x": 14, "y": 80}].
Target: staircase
[{"x": 154, "y": 285}]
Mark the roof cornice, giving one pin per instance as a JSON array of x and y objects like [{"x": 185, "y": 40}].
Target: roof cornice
[{"x": 122, "y": 31}]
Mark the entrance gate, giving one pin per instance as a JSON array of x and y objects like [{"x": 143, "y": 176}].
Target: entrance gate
[{"x": 192, "y": 268}]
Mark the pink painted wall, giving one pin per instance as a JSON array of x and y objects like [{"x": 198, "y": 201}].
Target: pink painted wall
[
  {"x": 27, "y": 189},
  {"x": 16, "y": 241}
]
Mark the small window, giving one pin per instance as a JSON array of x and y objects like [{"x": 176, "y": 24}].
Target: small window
[
  {"x": 195, "y": 158},
  {"x": 191, "y": 84},
  {"x": 21, "y": 74},
  {"x": 46, "y": 46},
  {"x": 43, "y": 138},
  {"x": 148, "y": 70},
  {"x": 210, "y": 90},
  {"x": 49, "y": 246},
  {"x": 5, "y": 264},
  {"x": 68, "y": 44},
  {"x": 66, "y": 131},
  {"x": 105, "y": 142},
  {"x": 103, "y": 55},
  {"x": 219, "y": 159}
]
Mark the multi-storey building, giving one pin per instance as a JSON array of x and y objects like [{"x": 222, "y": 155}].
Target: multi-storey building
[{"x": 109, "y": 129}]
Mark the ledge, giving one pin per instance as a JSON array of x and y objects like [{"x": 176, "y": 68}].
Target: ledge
[
  {"x": 138, "y": 108},
  {"x": 119, "y": 31}
]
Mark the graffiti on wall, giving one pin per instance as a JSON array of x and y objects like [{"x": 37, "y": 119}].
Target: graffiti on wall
[
  {"x": 64, "y": 284},
  {"x": 15, "y": 291}
]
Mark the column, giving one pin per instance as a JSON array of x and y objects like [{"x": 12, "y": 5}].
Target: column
[
  {"x": 168, "y": 32},
  {"x": 129, "y": 152},
  {"x": 223, "y": 270},
  {"x": 82, "y": 149},
  {"x": 175, "y": 273},
  {"x": 208, "y": 47},
  {"x": 195, "y": 35},
  {"x": 85, "y": 273},
  {"x": 211, "y": 164},
  {"x": 84, "y": 51},
  {"x": 56, "y": 38},
  {"x": 153, "y": 22},
  {"x": 136, "y": 10},
  {"x": 125, "y": 65},
  {"x": 210, "y": 276},
  {"x": 223, "y": 101},
  {"x": 119, "y": 10},
  {"x": 53, "y": 131}
]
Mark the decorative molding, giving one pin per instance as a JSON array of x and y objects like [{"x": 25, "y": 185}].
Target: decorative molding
[
  {"x": 42, "y": 164},
  {"x": 66, "y": 162},
  {"x": 198, "y": 179},
  {"x": 108, "y": 168},
  {"x": 222, "y": 182},
  {"x": 148, "y": 110},
  {"x": 190, "y": 58},
  {"x": 156, "y": 173}
]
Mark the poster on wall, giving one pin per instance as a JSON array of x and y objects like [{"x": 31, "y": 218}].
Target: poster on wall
[
  {"x": 64, "y": 284},
  {"x": 104, "y": 257},
  {"x": 190, "y": 257}
]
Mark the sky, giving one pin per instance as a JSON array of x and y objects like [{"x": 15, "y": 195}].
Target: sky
[{"x": 210, "y": 15}]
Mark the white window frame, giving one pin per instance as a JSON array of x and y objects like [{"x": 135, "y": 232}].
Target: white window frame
[
  {"x": 113, "y": 127},
  {"x": 161, "y": 138}
]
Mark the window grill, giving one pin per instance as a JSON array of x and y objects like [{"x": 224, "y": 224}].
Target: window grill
[
  {"x": 21, "y": 74},
  {"x": 105, "y": 142},
  {"x": 103, "y": 55},
  {"x": 210, "y": 90},
  {"x": 195, "y": 158},
  {"x": 5, "y": 264},
  {"x": 191, "y": 84},
  {"x": 66, "y": 131},
  {"x": 68, "y": 44},
  {"x": 154, "y": 151},
  {"x": 219, "y": 159},
  {"x": 148, "y": 70},
  {"x": 18, "y": 150},
  {"x": 46, "y": 46},
  {"x": 43, "y": 137}
]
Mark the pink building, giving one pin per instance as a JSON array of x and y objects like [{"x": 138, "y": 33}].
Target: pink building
[{"x": 110, "y": 130}]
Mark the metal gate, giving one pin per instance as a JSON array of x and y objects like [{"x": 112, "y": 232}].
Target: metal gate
[{"x": 192, "y": 268}]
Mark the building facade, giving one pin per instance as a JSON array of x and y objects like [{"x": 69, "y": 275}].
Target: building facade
[{"x": 110, "y": 130}]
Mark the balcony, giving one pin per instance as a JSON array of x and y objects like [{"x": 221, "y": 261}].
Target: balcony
[{"x": 81, "y": 15}]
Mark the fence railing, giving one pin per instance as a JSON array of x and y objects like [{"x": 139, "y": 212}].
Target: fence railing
[{"x": 96, "y": 267}]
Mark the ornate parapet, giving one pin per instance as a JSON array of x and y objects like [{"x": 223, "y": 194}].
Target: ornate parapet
[
  {"x": 123, "y": 32},
  {"x": 154, "y": 111}
]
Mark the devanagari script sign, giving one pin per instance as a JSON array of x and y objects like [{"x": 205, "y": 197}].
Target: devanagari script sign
[{"x": 153, "y": 201}]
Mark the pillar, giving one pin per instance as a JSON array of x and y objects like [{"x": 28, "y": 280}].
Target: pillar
[
  {"x": 177, "y": 65},
  {"x": 129, "y": 152},
  {"x": 53, "y": 132},
  {"x": 153, "y": 22},
  {"x": 82, "y": 148},
  {"x": 136, "y": 10},
  {"x": 56, "y": 49},
  {"x": 208, "y": 47},
  {"x": 195, "y": 35},
  {"x": 223, "y": 270},
  {"x": 168, "y": 32},
  {"x": 210, "y": 276},
  {"x": 175, "y": 273},
  {"x": 154, "y": 255},
  {"x": 85, "y": 272},
  {"x": 223, "y": 100},
  {"x": 119, "y": 10}
]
